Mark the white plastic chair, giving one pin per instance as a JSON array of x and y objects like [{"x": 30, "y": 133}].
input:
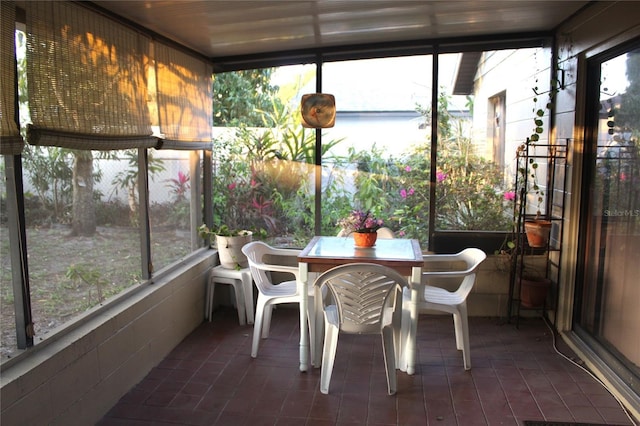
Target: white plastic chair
[
  {"x": 262, "y": 258},
  {"x": 440, "y": 299},
  {"x": 383, "y": 232},
  {"x": 361, "y": 298}
]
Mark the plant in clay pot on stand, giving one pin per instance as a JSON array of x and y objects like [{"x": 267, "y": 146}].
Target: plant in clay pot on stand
[
  {"x": 524, "y": 250},
  {"x": 363, "y": 226},
  {"x": 537, "y": 231},
  {"x": 527, "y": 267},
  {"x": 538, "y": 211},
  {"x": 537, "y": 228}
]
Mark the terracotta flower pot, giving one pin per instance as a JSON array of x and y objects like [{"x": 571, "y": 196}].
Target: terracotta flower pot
[
  {"x": 533, "y": 291},
  {"x": 365, "y": 239},
  {"x": 538, "y": 232}
]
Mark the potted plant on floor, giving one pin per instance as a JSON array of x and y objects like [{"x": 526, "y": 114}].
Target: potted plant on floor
[
  {"x": 533, "y": 290},
  {"x": 527, "y": 268}
]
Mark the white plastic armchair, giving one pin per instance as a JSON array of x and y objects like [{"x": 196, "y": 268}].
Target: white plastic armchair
[
  {"x": 453, "y": 302},
  {"x": 361, "y": 298},
  {"x": 262, "y": 262}
]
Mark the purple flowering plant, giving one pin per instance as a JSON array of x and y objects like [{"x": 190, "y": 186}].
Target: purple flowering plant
[{"x": 360, "y": 221}]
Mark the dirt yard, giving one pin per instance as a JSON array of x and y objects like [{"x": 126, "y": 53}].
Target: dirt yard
[{"x": 103, "y": 265}]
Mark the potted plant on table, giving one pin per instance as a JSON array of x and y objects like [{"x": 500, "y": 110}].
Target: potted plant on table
[{"x": 363, "y": 226}]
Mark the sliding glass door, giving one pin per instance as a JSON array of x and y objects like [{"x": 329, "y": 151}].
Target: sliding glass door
[{"x": 607, "y": 311}]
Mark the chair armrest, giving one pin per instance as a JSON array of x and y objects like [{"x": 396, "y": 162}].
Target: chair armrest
[
  {"x": 441, "y": 258},
  {"x": 448, "y": 274},
  {"x": 427, "y": 276},
  {"x": 284, "y": 251},
  {"x": 279, "y": 268}
]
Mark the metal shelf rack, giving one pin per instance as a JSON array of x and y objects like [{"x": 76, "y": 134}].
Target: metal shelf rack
[{"x": 547, "y": 162}]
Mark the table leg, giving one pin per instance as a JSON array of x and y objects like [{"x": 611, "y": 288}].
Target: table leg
[
  {"x": 319, "y": 327},
  {"x": 247, "y": 284},
  {"x": 303, "y": 286},
  {"x": 411, "y": 347},
  {"x": 207, "y": 302}
]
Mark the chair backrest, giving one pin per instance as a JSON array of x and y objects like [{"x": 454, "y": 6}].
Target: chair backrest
[
  {"x": 472, "y": 257},
  {"x": 261, "y": 263},
  {"x": 385, "y": 232},
  {"x": 343, "y": 233},
  {"x": 362, "y": 292}
]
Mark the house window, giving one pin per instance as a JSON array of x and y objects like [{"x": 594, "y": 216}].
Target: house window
[
  {"x": 263, "y": 159},
  {"x": 378, "y": 155},
  {"x": 70, "y": 274},
  {"x": 102, "y": 210},
  {"x": 173, "y": 193},
  {"x": 381, "y": 137},
  {"x": 496, "y": 127}
]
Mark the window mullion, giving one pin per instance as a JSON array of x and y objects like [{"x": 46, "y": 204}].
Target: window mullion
[
  {"x": 18, "y": 251},
  {"x": 434, "y": 147},
  {"x": 143, "y": 212},
  {"x": 207, "y": 188},
  {"x": 196, "y": 201}
]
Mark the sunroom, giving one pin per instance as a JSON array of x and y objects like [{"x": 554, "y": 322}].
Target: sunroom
[{"x": 128, "y": 125}]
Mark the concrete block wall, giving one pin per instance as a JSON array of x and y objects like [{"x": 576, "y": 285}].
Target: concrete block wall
[
  {"x": 76, "y": 379},
  {"x": 490, "y": 294}
]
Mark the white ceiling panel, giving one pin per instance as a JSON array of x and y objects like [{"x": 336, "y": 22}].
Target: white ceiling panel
[{"x": 229, "y": 28}]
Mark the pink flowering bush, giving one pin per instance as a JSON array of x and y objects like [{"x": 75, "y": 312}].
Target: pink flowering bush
[
  {"x": 470, "y": 193},
  {"x": 510, "y": 196}
]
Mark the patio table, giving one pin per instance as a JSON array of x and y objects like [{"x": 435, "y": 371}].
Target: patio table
[{"x": 323, "y": 253}]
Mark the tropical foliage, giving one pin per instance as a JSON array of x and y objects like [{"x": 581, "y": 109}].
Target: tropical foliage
[{"x": 263, "y": 178}]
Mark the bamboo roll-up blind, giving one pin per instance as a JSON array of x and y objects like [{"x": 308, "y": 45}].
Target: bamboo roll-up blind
[
  {"x": 87, "y": 79},
  {"x": 184, "y": 99},
  {"x": 11, "y": 142}
]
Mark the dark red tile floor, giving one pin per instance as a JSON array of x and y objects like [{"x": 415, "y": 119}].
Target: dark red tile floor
[{"x": 210, "y": 379}]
